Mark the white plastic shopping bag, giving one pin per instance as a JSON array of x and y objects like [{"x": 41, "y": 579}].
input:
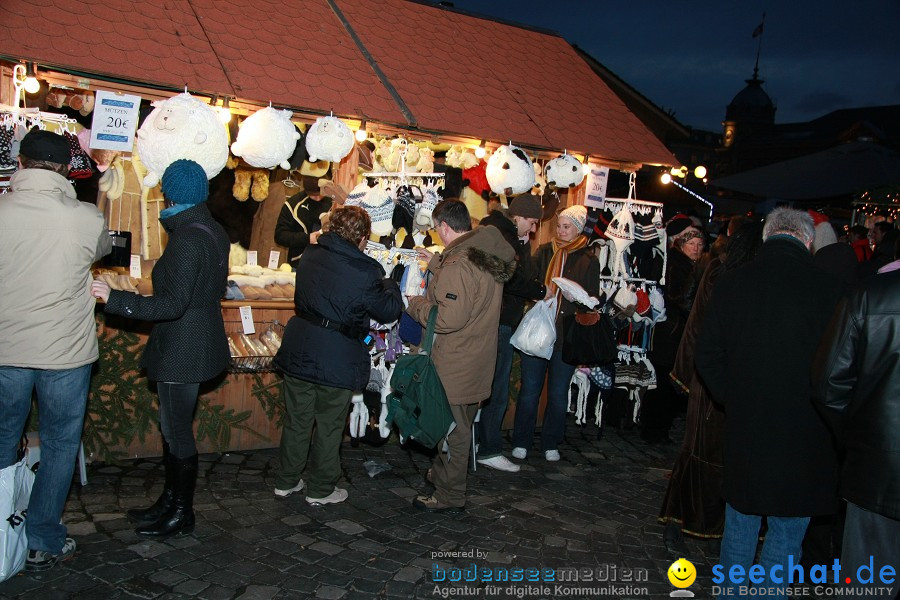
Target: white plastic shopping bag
[
  {"x": 536, "y": 334},
  {"x": 15, "y": 490}
]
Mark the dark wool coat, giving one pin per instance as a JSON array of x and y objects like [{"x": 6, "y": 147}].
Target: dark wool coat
[
  {"x": 755, "y": 349},
  {"x": 336, "y": 281},
  {"x": 187, "y": 343},
  {"x": 526, "y": 283},
  {"x": 856, "y": 379},
  {"x": 581, "y": 267}
]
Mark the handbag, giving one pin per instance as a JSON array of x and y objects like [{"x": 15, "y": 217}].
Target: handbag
[
  {"x": 15, "y": 491},
  {"x": 418, "y": 403},
  {"x": 588, "y": 339}
]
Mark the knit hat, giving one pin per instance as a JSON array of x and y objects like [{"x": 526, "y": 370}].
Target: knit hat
[
  {"x": 527, "y": 206},
  {"x": 577, "y": 214},
  {"x": 46, "y": 145},
  {"x": 185, "y": 182},
  {"x": 677, "y": 224}
]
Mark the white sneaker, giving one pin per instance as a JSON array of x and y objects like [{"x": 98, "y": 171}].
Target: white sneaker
[
  {"x": 519, "y": 453},
  {"x": 499, "y": 462},
  {"x": 552, "y": 455},
  {"x": 338, "y": 495},
  {"x": 288, "y": 492}
]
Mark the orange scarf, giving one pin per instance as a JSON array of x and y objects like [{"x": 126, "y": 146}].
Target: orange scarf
[{"x": 560, "y": 251}]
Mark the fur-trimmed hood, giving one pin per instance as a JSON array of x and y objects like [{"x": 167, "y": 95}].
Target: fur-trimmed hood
[{"x": 486, "y": 248}]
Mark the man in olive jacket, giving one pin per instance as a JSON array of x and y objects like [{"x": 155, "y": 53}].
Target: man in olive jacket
[
  {"x": 754, "y": 353},
  {"x": 856, "y": 382},
  {"x": 466, "y": 284}
]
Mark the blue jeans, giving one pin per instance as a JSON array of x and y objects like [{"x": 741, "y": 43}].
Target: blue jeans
[
  {"x": 782, "y": 546},
  {"x": 490, "y": 441},
  {"x": 62, "y": 399},
  {"x": 176, "y": 416},
  {"x": 553, "y": 429}
]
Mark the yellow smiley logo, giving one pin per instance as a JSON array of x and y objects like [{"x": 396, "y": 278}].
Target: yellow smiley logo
[{"x": 682, "y": 573}]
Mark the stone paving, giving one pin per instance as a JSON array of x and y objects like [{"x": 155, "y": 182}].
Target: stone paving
[{"x": 595, "y": 510}]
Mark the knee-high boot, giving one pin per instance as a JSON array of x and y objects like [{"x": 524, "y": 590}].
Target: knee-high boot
[
  {"x": 179, "y": 519},
  {"x": 152, "y": 513}
]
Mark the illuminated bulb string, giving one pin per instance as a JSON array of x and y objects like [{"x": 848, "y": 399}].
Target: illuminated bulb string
[{"x": 698, "y": 197}]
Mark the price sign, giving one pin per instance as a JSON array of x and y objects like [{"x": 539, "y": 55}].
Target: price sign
[
  {"x": 596, "y": 187},
  {"x": 247, "y": 320},
  {"x": 251, "y": 257},
  {"x": 115, "y": 121},
  {"x": 135, "y": 266},
  {"x": 274, "y": 256}
]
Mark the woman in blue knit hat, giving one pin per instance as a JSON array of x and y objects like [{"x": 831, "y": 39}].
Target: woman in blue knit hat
[{"x": 187, "y": 344}]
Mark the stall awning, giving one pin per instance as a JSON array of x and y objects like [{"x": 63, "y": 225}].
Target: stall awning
[{"x": 411, "y": 65}]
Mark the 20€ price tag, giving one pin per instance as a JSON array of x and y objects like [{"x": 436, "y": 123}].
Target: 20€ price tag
[
  {"x": 274, "y": 256},
  {"x": 135, "y": 266},
  {"x": 251, "y": 257},
  {"x": 247, "y": 320}
]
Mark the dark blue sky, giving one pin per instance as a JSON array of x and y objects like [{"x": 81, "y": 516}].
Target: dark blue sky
[{"x": 693, "y": 57}]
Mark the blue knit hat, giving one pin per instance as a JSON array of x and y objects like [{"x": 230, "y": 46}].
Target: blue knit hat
[{"x": 184, "y": 182}]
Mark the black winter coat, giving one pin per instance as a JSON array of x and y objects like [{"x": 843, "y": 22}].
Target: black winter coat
[
  {"x": 300, "y": 216},
  {"x": 526, "y": 283},
  {"x": 581, "y": 267},
  {"x": 755, "y": 349},
  {"x": 187, "y": 343},
  {"x": 856, "y": 379},
  {"x": 336, "y": 281}
]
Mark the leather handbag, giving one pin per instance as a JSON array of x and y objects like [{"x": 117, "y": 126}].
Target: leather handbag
[{"x": 589, "y": 338}]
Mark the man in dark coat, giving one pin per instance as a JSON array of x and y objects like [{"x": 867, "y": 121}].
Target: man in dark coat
[
  {"x": 754, "y": 353},
  {"x": 526, "y": 284},
  {"x": 856, "y": 382},
  {"x": 299, "y": 222}
]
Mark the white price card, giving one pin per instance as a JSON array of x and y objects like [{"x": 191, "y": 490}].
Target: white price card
[
  {"x": 135, "y": 266},
  {"x": 251, "y": 257},
  {"x": 115, "y": 121},
  {"x": 274, "y": 257},
  {"x": 247, "y": 320},
  {"x": 595, "y": 196}
]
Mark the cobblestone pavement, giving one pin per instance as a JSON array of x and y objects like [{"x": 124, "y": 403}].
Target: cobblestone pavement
[{"x": 594, "y": 510}]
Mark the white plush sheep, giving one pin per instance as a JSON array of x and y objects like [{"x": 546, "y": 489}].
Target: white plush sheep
[
  {"x": 564, "y": 171},
  {"x": 328, "y": 139},
  {"x": 267, "y": 139},
  {"x": 509, "y": 171},
  {"x": 182, "y": 127},
  {"x": 460, "y": 158}
]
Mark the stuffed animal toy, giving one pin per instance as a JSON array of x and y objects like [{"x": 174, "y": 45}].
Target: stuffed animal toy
[
  {"x": 182, "y": 127},
  {"x": 249, "y": 181},
  {"x": 564, "y": 171},
  {"x": 476, "y": 180},
  {"x": 425, "y": 164},
  {"x": 113, "y": 180},
  {"x": 267, "y": 139},
  {"x": 540, "y": 182},
  {"x": 329, "y": 139},
  {"x": 509, "y": 171},
  {"x": 621, "y": 234},
  {"x": 460, "y": 158}
]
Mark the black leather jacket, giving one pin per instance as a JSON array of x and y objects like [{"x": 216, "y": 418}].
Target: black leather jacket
[{"x": 856, "y": 381}]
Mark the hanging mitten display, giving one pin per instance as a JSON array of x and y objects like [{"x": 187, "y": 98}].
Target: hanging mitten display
[
  {"x": 8, "y": 162},
  {"x": 80, "y": 164},
  {"x": 359, "y": 416}
]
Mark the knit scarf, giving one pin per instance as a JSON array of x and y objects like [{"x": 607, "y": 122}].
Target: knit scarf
[{"x": 561, "y": 250}]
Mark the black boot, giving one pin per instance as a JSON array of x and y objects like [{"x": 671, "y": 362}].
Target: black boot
[
  {"x": 179, "y": 519},
  {"x": 144, "y": 516}
]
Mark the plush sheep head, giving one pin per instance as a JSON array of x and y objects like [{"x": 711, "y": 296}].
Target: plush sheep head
[
  {"x": 564, "y": 171},
  {"x": 509, "y": 171},
  {"x": 328, "y": 139},
  {"x": 267, "y": 139},
  {"x": 182, "y": 127}
]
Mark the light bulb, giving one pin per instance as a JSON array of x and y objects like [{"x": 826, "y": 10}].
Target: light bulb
[
  {"x": 480, "y": 151},
  {"x": 32, "y": 85},
  {"x": 666, "y": 178},
  {"x": 224, "y": 111},
  {"x": 586, "y": 168},
  {"x": 700, "y": 172},
  {"x": 360, "y": 135}
]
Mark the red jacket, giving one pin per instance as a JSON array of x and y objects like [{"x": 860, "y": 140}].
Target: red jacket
[{"x": 862, "y": 249}]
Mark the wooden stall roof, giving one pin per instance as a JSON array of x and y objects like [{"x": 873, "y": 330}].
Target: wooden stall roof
[{"x": 405, "y": 64}]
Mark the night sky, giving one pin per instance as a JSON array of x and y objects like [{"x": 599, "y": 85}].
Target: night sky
[{"x": 693, "y": 57}]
